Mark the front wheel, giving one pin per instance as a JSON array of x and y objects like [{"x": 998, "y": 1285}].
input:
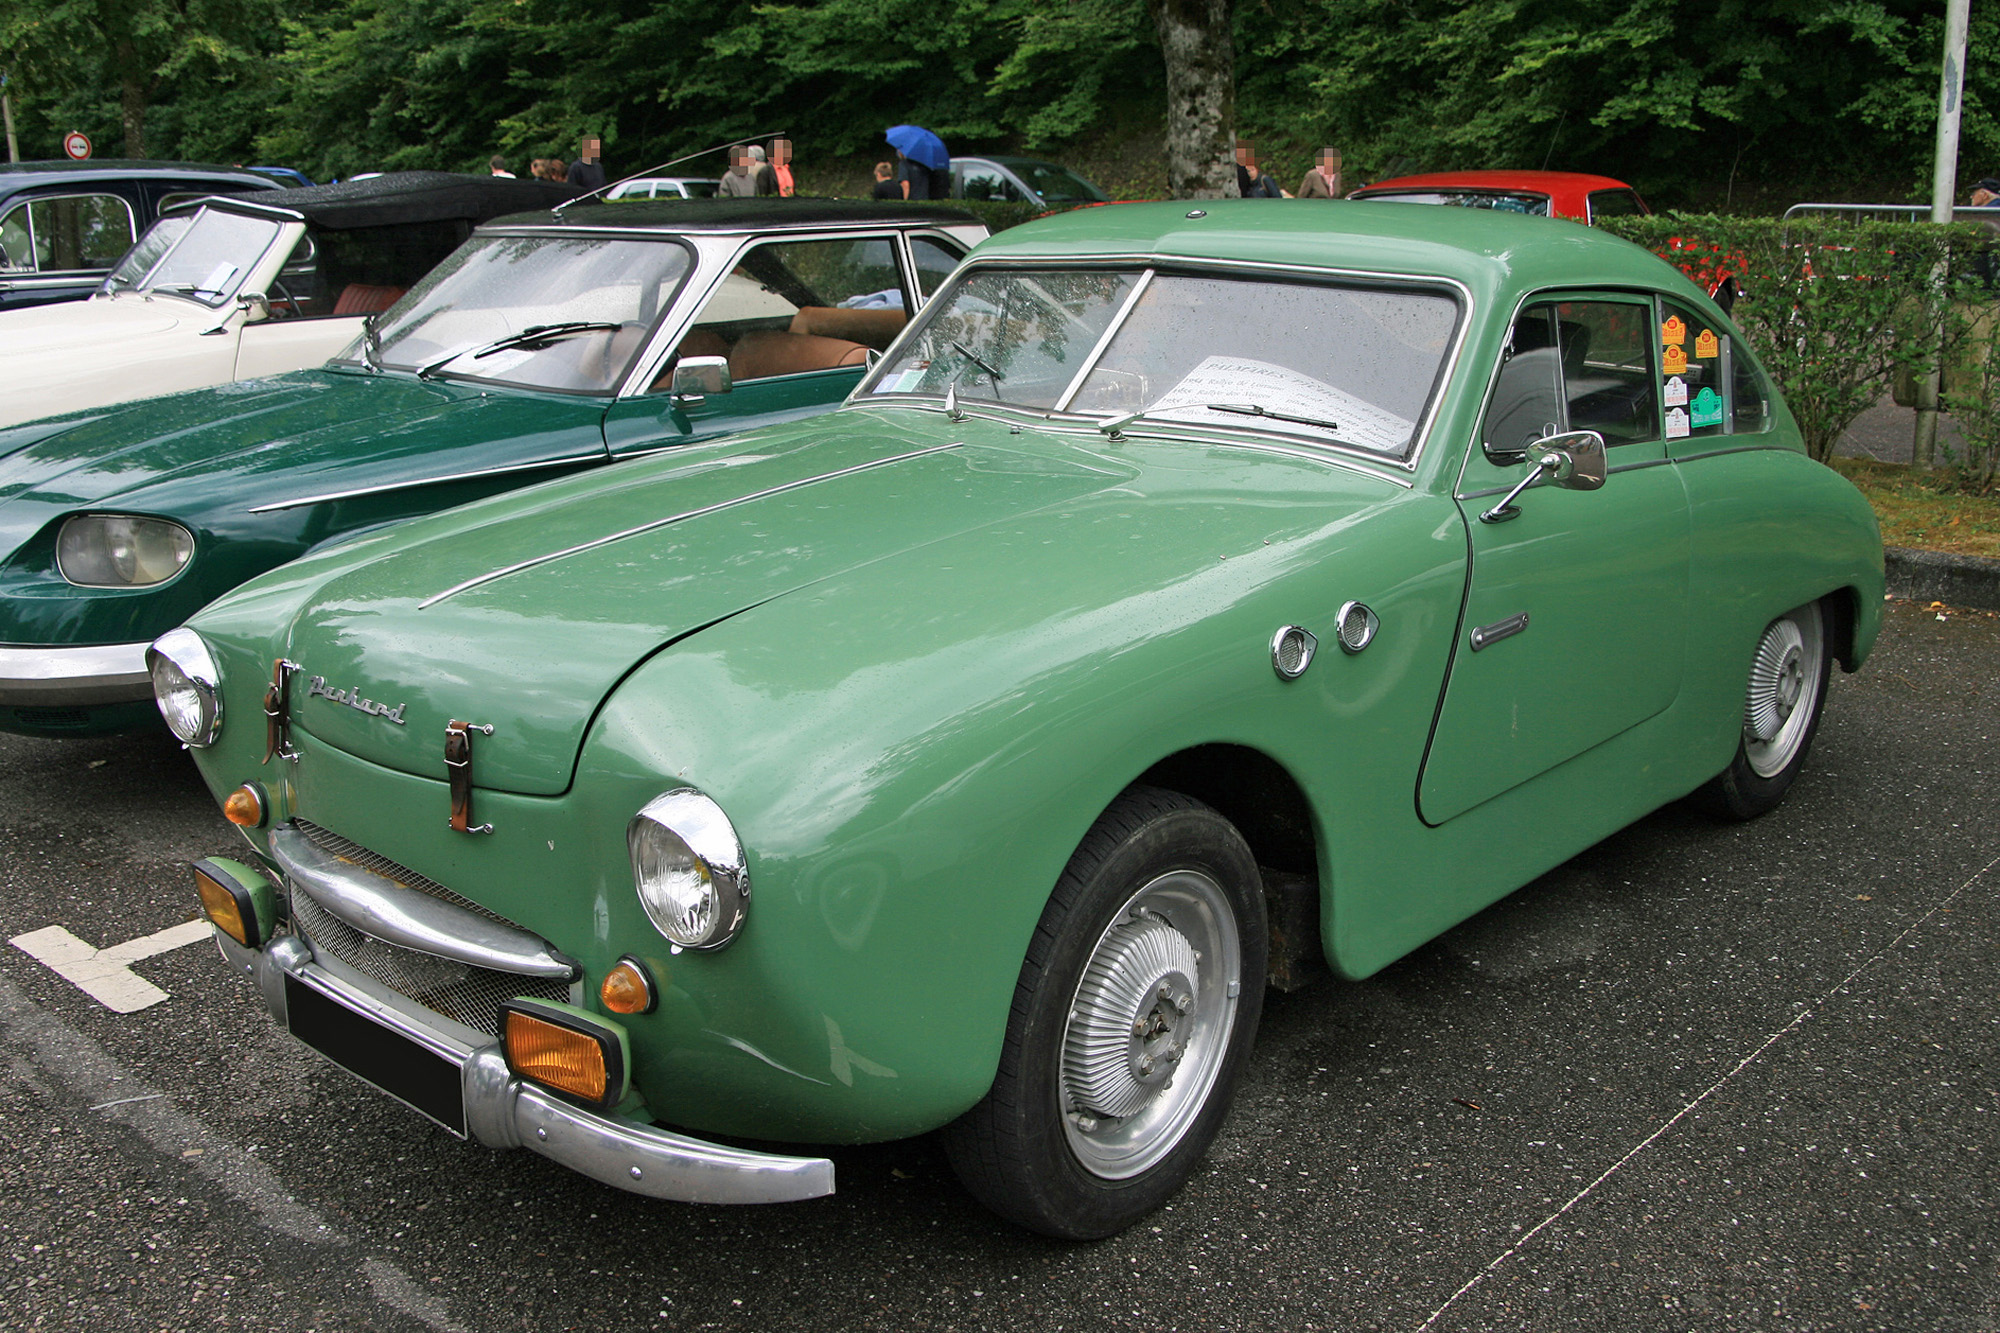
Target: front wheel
[
  {"x": 1781, "y": 709},
  {"x": 1131, "y": 1022}
]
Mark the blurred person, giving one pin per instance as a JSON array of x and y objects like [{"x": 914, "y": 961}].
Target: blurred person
[
  {"x": 585, "y": 173},
  {"x": 539, "y": 168},
  {"x": 1251, "y": 182},
  {"x": 558, "y": 172},
  {"x": 886, "y": 184},
  {"x": 781, "y": 167},
  {"x": 913, "y": 176},
  {"x": 760, "y": 171},
  {"x": 1322, "y": 180},
  {"x": 498, "y": 167},
  {"x": 737, "y": 182}
]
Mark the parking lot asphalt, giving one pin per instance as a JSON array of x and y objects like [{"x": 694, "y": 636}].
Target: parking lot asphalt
[{"x": 1702, "y": 1076}]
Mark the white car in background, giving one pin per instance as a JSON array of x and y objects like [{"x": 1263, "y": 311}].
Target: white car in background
[
  {"x": 223, "y": 289},
  {"x": 664, "y": 187}
]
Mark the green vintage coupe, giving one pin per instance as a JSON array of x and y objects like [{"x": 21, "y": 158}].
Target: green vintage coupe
[
  {"x": 1191, "y": 597},
  {"x": 547, "y": 343}
]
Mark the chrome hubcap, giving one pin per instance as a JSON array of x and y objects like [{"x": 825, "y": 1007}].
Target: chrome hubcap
[
  {"x": 1149, "y": 1024},
  {"x": 1784, "y": 680}
]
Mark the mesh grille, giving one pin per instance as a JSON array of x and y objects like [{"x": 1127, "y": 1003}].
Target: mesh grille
[
  {"x": 461, "y": 992},
  {"x": 355, "y": 854}
]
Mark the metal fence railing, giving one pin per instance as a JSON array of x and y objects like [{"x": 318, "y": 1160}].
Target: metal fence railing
[{"x": 1907, "y": 212}]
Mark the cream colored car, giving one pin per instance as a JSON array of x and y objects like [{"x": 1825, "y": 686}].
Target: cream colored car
[{"x": 233, "y": 289}]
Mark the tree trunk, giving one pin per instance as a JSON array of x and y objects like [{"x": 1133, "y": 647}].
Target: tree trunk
[
  {"x": 1201, "y": 97},
  {"x": 132, "y": 98}
]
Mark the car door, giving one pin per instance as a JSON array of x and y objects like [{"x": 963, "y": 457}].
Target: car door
[
  {"x": 57, "y": 246},
  {"x": 1575, "y": 606},
  {"x": 795, "y": 321}
]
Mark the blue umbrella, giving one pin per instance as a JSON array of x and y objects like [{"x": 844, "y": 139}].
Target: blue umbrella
[{"x": 919, "y": 145}]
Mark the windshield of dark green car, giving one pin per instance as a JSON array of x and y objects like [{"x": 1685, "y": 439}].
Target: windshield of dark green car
[
  {"x": 567, "y": 313},
  {"x": 1336, "y": 363}
]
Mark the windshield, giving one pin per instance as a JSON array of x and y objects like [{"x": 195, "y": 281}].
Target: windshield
[
  {"x": 547, "y": 312},
  {"x": 1333, "y": 363},
  {"x": 1534, "y": 205},
  {"x": 204, "y": 258},
  {"x": 1059, "y": 185}
]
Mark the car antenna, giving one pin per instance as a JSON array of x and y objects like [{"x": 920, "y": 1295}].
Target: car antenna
[{"x": 557, "y": 211}]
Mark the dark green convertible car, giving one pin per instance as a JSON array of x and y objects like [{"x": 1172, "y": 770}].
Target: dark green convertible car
[
  {"x": 546, "y": 344},
  {"x": 1191, "y": 598}
]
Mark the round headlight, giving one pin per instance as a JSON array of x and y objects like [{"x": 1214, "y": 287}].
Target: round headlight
[
  {"x": 187, "y": 686},
  {"x": 688, "y": 867},
  {"x": 121, "y": 550}
]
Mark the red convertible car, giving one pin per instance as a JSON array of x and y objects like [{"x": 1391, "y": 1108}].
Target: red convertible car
[{"x": 1561, "y": 194}]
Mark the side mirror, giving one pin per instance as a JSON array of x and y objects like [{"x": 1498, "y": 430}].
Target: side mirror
[
  {"x": 695, "y": 377},
  {"x": 255, "y": 306},
  {"x": 1573, "y": 462}
]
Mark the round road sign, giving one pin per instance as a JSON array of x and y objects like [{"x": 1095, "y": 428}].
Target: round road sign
[{"x": 77, "y": 146}]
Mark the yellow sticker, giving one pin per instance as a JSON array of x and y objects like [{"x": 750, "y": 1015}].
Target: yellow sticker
[
  {"x": 1674, "y": 332},
  {"x": 1706, "y": 345},
  {"x": 1676, "y": 361}
]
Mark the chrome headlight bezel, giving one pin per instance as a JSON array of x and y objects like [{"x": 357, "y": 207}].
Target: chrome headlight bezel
[
  {"x": 689, "y": 870},
  {"x": 91, "y": 547},
  {"x": 187, "y": 686}
]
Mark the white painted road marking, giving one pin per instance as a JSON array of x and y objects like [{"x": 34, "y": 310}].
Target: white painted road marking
[{"x": 106, "y": 975}]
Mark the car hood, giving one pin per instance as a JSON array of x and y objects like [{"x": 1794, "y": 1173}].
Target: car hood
[
  {"x": 200, "y": 455},
  {"x": 525, "y": 611},
  {"x": 78, "y": 354}
]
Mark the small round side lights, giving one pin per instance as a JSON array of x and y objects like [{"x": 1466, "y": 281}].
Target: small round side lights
[
  {"x": 1292, "y": 650},
  {"x": 247, "y": 806},
  {"x": 1357, "y": 627},
  {"x": 628, "y": 988}
]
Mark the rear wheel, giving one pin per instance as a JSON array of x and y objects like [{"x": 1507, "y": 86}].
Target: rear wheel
[
  {"x": 1781, "y": 710},
  {"x": 1131, "y": 1022}
]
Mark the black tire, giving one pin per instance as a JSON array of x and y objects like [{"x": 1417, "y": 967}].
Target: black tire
[
  {"x": 1781, "y": 712},
  {"x": 1084, "y": 1131}
]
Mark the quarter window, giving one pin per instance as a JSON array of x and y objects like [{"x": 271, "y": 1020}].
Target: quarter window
[
  {"x": 1615, "y": 204},
  {"x": 1697, "y": 384},
  {"x": 935, "y": 262},
  {"x": 88, "y": 231}
]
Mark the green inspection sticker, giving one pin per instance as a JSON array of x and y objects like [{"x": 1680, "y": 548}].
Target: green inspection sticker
[{"x": 1706, "y": 410}]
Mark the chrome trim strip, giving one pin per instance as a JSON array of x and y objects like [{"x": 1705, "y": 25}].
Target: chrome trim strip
[
  {"x": 1097, "y": 350},
  {"x": 596, "y": 542},
  {"x": 677, "y": 230},
  {"x": 502, "y": 1111},
  {"x": 378, "y": 906},
  {"x": 37, "y": 677},
  {"x": 1734, "y": 449},
  {"x": 330, "y": 496}
]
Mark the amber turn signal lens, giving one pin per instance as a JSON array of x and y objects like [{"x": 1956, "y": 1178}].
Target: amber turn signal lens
[
  {"x": 222, "y": 908},
  {"x": 627, "y": 988},
  {"x": 245, "y": 806},
  {"x": 564, "y": 1059}
]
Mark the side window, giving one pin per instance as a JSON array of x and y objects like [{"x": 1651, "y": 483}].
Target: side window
[
  {"x": 1615, "y": 204},
  {"x": 1695, "y": 379},
  {"x": 986, "y": 183},
  {"x": 935, "y": 261},
  {"x": 1526, "y": 403},
  {"x": 794, "y": 306},
  {"x": 1607, "y": 366},
  {"x": 17, "y": 248},
  {"x": 79, "y": 232},
  {"x": 1749, "y": 399}
]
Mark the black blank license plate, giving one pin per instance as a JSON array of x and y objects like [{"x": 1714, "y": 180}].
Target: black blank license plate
[{"x": 405, "y": 1069}]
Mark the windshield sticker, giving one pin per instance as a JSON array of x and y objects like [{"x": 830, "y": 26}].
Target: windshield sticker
[
  {"x": 1706, "y": 345},
  {"x": 906, "y": 382},
  {"x": 1677, "y": 392},
  {"x": 217, "y": 277},
  {"x": 1707, "y": 409},
  {"x": 1677, "y": 423},
  {"x": 1675, "y": 359},
  {"x": 1674, "y": 332},
  {"x": 1240, "y": 381}
]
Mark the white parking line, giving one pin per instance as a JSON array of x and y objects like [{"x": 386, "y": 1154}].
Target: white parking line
[{"x": 106, "y": 975}]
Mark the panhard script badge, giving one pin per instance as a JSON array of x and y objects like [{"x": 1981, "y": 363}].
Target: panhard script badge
[{"x": 353, "y": 699}]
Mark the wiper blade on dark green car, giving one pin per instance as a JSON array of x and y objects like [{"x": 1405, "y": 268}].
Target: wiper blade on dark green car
[{"x": 535, "y": 335}]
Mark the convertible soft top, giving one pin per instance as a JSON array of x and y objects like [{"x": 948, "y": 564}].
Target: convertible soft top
[{"x": 406, "y": 197}]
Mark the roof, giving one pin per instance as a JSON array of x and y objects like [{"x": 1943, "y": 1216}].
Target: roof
[
  {"x": 120, "y": 166},
  {"x": 746, "y": 214},
  {"x": 1540, "y": 182},
  {"x": 405, "y": 197},
  {"x": 1482, "y": 249}
]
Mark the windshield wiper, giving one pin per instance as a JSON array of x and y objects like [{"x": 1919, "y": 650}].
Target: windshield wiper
[
  {"x": 1254, "y": 410},
  {"x": 974, "y": 358},
  {"x": 533, "y": 337},
  {"x": 371, "y": 343},
  {"x": 192, "y": 289}
]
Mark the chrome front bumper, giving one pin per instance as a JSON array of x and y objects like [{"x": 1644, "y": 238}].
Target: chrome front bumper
[
  {"x": 38, "y": 677},
  {"x": 503, "y": 1111}
]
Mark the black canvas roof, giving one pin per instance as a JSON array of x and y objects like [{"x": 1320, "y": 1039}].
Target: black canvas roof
[
  {"x": 744, "y": 214},
  {"x": 404, "y": 197}
]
